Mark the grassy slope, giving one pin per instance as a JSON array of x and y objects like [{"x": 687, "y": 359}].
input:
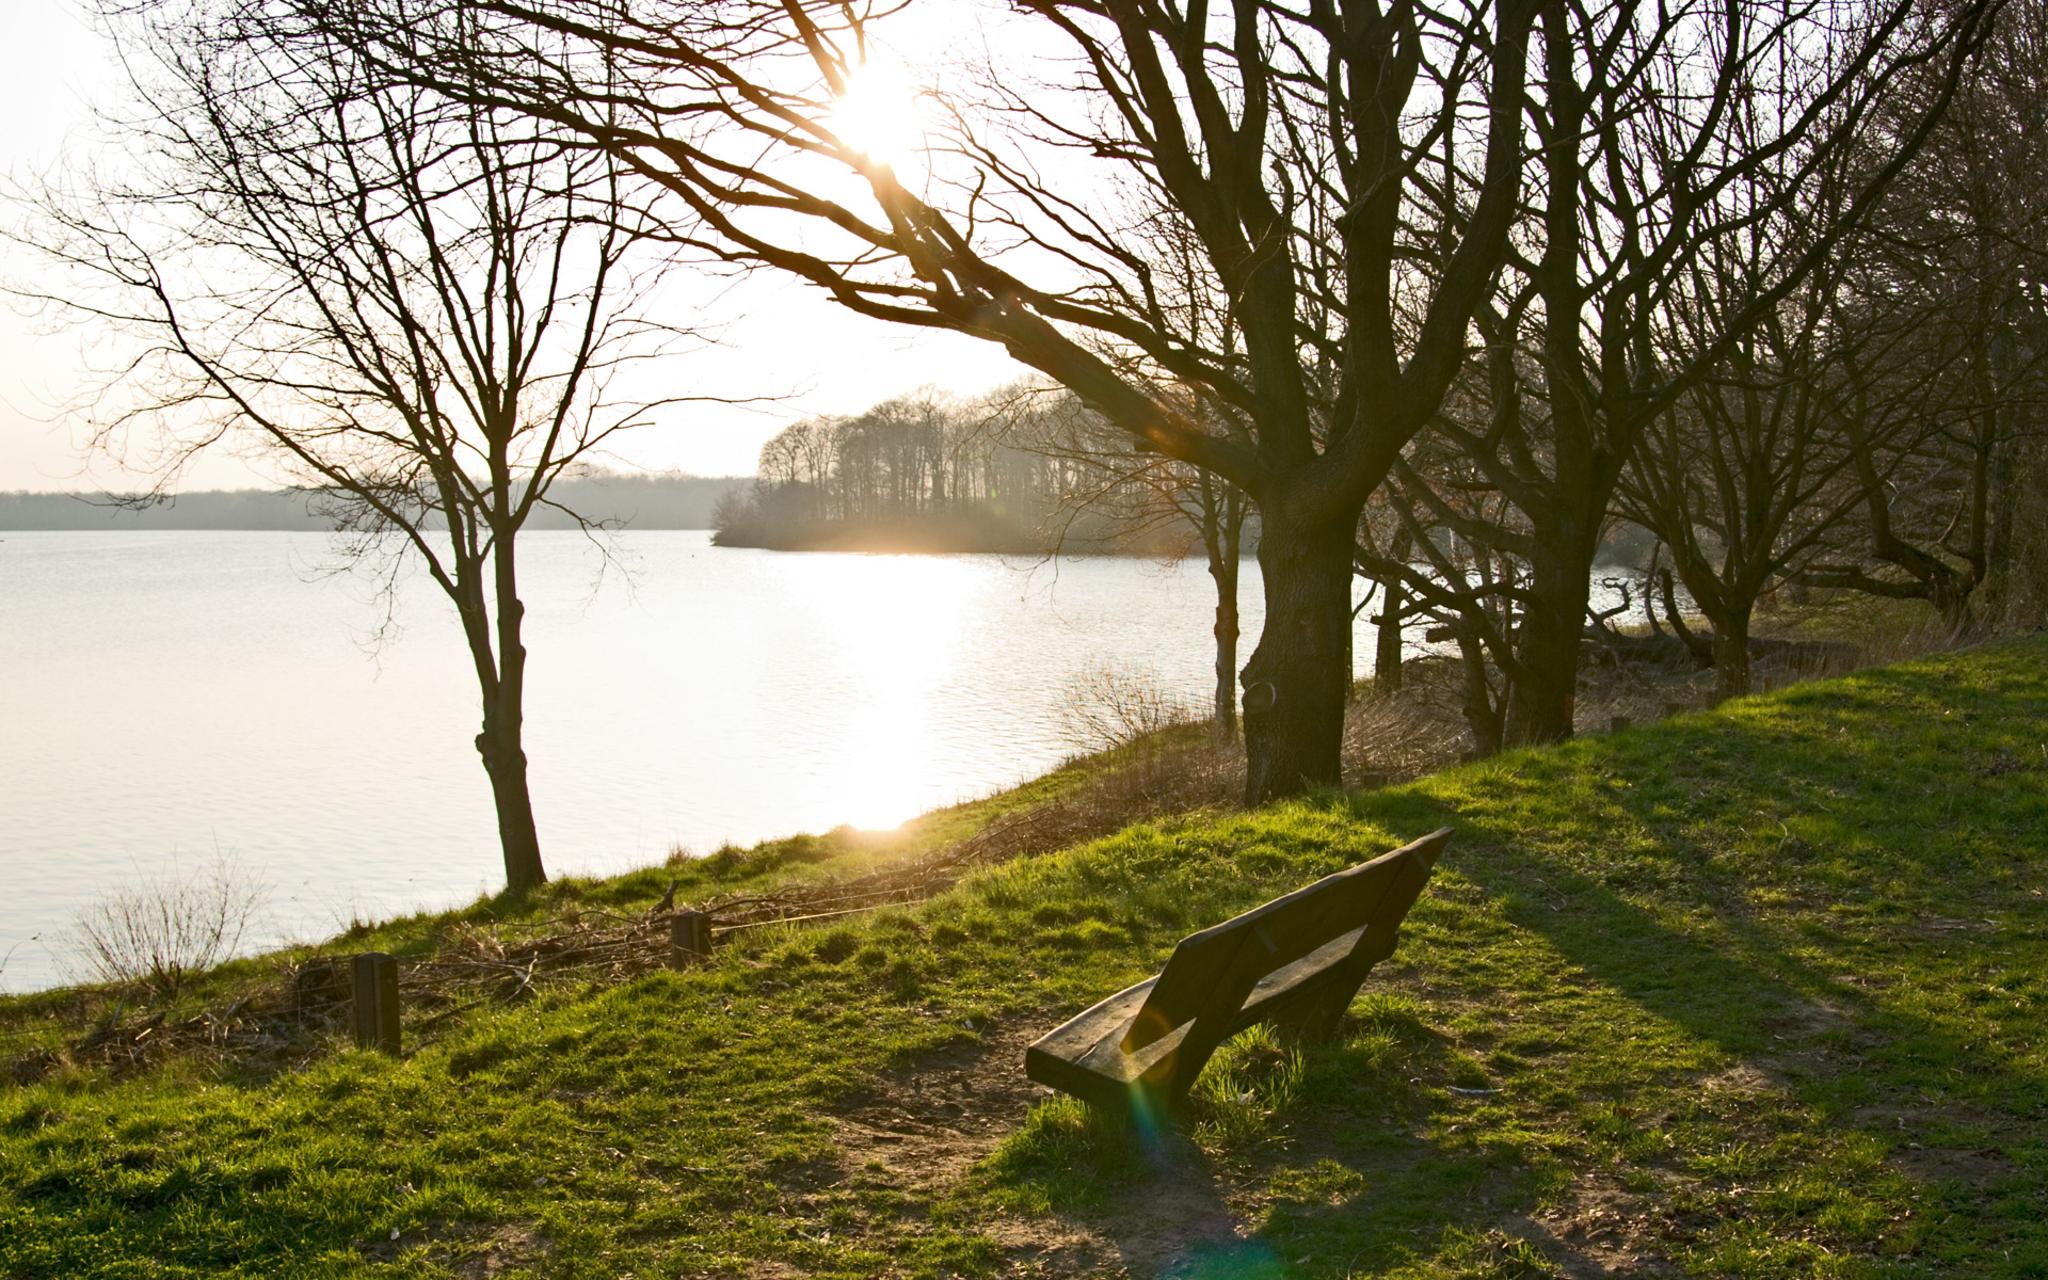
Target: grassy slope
[{"x": 1757, "y": 992}]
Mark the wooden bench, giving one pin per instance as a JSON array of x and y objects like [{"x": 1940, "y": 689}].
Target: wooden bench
[{"x": 1295, "y": 962}]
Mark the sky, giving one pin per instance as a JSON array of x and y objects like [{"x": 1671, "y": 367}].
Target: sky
[{"x": 778, "y": 339}]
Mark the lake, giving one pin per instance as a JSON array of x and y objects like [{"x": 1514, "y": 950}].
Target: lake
[{"x": 170, "y": 697}]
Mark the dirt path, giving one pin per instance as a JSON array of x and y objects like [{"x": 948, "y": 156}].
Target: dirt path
[{"x": 927, "y": 1126}]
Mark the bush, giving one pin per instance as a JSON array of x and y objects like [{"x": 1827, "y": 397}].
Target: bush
[
  {"x": 1107, "y": 709},
  {"x": 161, "y": 930}
]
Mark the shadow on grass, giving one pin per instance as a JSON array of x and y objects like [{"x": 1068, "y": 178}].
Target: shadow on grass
[
  {"x": 1337, "y": 1129},
  {"x": 1748, "y": 893},
  {"x": 1792, "y": 934}
]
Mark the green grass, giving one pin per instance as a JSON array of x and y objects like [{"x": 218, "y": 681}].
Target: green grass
[{"x": 1757, "y": 992}]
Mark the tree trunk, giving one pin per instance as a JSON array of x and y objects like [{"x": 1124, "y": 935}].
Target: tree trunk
[
  {"x": 1702, "y": 651},
  {"x": 502, "y": 741},
  {"x": 1731, "y": 655},
  {"x": 505, "y": 761},
  {"x": 1481, "y": 715},
  {"x": 1299, "y": 676},
  {"x": 1386, "y": 644},
  {"x": 1223, "y": 568},
  {"x": 1949, "y": 592},
  {"x": 1541, "y": 698},
  {"x": 1386, "y": 640},
  {"x": 1998, "y": 555}
]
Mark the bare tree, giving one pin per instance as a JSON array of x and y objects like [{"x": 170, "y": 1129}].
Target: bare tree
[
  {"x": 1362, "y": 184},
  {"x": 1954, "y": 278},
  {"x": 1135, "y": 498},
  {"x": 1294, "y": 143},
  {"x": 1745, "y": 479},
  {"x": 1671, "y": 139},
  {"x": 415, "y": 306}
]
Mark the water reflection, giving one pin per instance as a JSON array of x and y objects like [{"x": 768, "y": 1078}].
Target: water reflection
[
  {"x": 178, "y": 694},
  {"x": 896, "y": 622}
]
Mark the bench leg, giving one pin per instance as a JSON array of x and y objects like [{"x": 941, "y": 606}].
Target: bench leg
[
  {"x": 1319, "y": 1019},
  {"x": 1166, "y": 1089},
  {"x": 1320, "y": 1015},
  {"x": 1168, "y": 1083}
]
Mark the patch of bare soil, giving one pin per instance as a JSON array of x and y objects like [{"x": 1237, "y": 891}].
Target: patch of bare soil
[
  {"x": 1814, "y": 1037},
  {"x": 929, "y": 1123},
  {"x": 1976, "y": 1168},
  {"x": 1599, "y": 1229},
  {"x": 1177, "y": 1220},
  {"x": 1171, "y": 1224},
  {"x": 1919, "y": 1152},
  {"x": 503, "y": 1249},
  {"x": 470, "y": 1250},
  {"x": 924, "y": 1129}
]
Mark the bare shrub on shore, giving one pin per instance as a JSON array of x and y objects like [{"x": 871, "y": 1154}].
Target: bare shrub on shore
[
  {"x": 1106, "y": 708},
  {"x": 158, "y": 931},
  {"x": 1401, "y": 734}
]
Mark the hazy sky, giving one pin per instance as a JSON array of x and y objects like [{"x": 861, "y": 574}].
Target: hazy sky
[{"x": 779, "y": 338}]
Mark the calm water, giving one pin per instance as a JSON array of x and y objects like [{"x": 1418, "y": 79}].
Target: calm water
[{"x": 167, "y": 697}]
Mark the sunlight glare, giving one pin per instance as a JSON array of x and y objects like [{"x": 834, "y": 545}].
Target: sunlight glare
[
  {"x": 879, "y": 116},
  {"x": 898, "y": 619}
]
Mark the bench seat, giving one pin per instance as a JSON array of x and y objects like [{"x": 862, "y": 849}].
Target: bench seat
[{"x": 1276, "y": 964}]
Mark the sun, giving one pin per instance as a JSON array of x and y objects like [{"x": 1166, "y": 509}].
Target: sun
[{"x": 879, "y": 116}]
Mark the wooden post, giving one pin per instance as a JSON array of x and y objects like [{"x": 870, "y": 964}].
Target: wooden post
[
  {"x": 1620, "y": 724},
  {"x": 1674, "y": 708},
  {"x": 376, "y": 1002},
  {"x": 689, "y": 939}
]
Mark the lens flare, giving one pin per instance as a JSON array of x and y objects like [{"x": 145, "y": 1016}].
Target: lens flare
[{"x": 878, "y": 115}]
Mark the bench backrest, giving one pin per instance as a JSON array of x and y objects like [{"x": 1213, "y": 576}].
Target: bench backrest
[{"x": 1221, "y": 964}]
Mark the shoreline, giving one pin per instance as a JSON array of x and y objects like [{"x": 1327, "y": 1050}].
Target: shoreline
[{"x": 1632, "y": 694}]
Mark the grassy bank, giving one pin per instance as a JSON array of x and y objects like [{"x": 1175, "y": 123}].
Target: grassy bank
[{"x": 1752, "y": 992}]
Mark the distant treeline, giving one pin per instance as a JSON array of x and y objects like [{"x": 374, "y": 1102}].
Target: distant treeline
[
  {"x": 1023, "y": 469},
  {"x": 630, "y": 501},
  {"x": 1016, "y": 470}
]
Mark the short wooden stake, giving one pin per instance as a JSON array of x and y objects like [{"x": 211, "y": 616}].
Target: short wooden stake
[
  {"x": 689, "y": 939},
  {"x": 1674, "y": 708},
  {"x": 1620, "y": 724},
  {"x": 376, "y": 1002}
]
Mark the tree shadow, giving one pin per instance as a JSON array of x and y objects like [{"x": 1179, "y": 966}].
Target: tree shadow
[
  {"x": 1330, "y": 1122},
  {"x": 1799, "y": 969},
  {"x": 1816, "y": 977}
]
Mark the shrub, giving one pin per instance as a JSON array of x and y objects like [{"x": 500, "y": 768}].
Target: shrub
[
  {"x": 161, "y": 930},
  {"x": 1106, "y": 709}
]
